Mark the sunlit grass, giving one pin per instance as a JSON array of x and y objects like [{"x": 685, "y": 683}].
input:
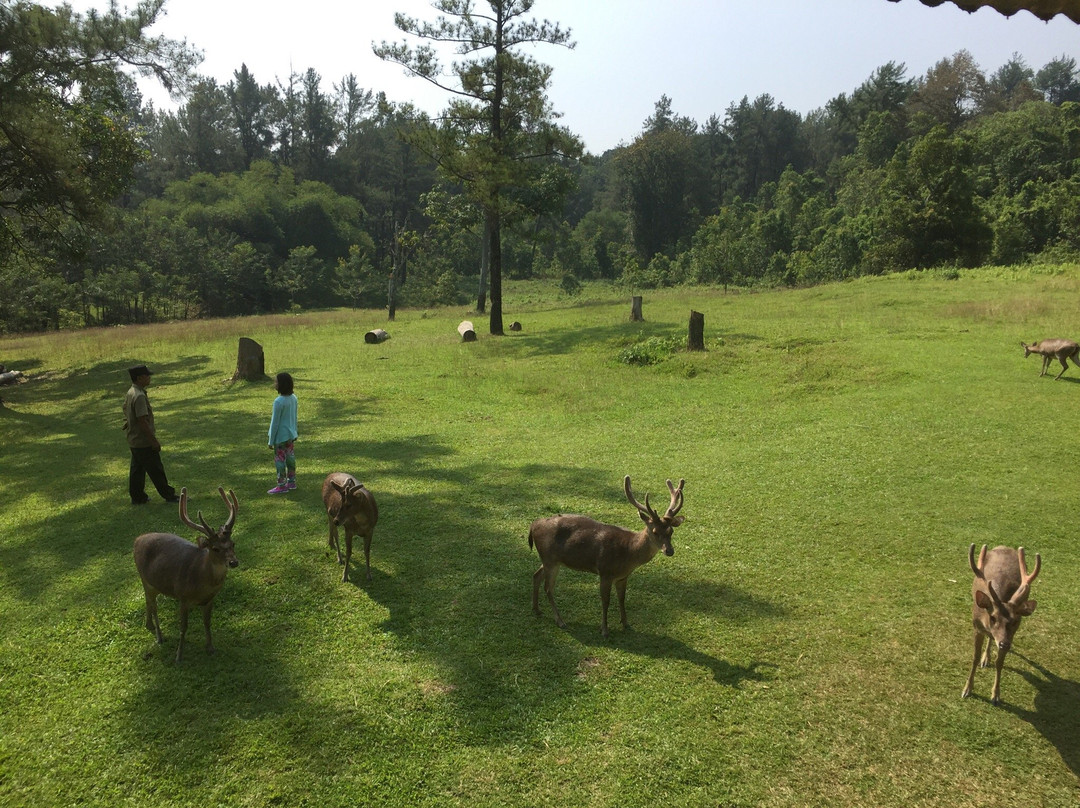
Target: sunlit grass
[{"x": 806, "y": 644}]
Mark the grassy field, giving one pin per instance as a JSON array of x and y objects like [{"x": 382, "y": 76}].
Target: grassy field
[{"x": 805, "y": 646}]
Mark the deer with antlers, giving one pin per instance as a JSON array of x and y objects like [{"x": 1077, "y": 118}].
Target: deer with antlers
[
  {"x": 191, "y": 573},
  {"x": 1000, "y": 590},
  {"x": 611, "y": 552},
  {"x": 352, "y": 507}
]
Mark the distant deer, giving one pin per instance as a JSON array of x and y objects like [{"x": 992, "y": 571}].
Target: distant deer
[
  {"x": 611, "y": 552},
  {"x": 191, "y": 573},
  {"x": 1049, "y": 349},
  {"x": 1000, "y": 590},
  {"x": 351, "y": 506}
]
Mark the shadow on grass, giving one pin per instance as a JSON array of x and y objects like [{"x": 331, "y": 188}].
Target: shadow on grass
[{"x": 1057, "y": 711}]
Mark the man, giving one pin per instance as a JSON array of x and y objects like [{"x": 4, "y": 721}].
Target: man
[{"x": 143, "y": 442}]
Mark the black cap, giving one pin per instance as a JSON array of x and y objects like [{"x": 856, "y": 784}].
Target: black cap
[{"x": 139, "y": 370}]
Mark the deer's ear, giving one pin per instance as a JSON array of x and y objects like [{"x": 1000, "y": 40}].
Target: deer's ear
[
  {"x": 1026, "y": 608},
  {"x": 337, "y": 486},
  {"x": 678, "y": 520},
  {"x": 983, "y": 600}
]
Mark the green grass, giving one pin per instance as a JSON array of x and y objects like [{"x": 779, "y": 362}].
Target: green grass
[{"x": 805, "y": 646}]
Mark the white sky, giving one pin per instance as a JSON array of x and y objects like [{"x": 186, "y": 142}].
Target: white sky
[{"x": 703, "y": 54}]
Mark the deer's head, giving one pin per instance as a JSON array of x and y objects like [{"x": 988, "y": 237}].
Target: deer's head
[
  {"x": 659, "y": 528},
  {"x": 219, "y": 542},
  {"x": 350, "y": 503},
  {"x": 1003, "y": 616}
]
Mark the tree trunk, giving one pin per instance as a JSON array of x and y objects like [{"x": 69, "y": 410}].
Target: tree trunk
[
  {"x": 495, "y": 261},
  {"x": 485, "y": 259},
  {"x": 250, "y": 363},
  {"x": 635, "y": 309},
  {"x": 696, "y": 340}
]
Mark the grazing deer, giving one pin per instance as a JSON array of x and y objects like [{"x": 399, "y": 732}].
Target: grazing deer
[
  {"x": 1060, "y": 349},
  {"x": 191, "y": 573},
  {"x": 351, "y": 506},
  {"x": 611, "y": 552},
  {"x": 1000, "y": 590}
]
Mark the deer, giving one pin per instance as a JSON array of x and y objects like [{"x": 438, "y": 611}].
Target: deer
[
  {"x": 1049, "y": 349},
  {"x": 609, "y": 551},
  {"x": 1000, "y": 591},
  {"x": 191, "y": 573},
  {"x": 352, "y": 507}
]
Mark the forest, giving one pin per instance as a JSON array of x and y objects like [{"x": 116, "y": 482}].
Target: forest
[{"x": 262, "y": 195}]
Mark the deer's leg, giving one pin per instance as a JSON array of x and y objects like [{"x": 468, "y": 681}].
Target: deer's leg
[
  {"x": 333, "y": 542},
  {"x": 549, "y": 586},
  {"x": 995, "y": 694},
  {"x": 367, "y": 553},
  {"x": 348, "y": 552},
  {"x": 985, "y": 662},
  {"x": 1045, "y": 365},
  {"x": 620, "y": 590},
  {"x": 183, "y": 631},
  {"x": 974, "y": 665},
  {"x": 206, "y": 626},
  {"x": 152, "y": 624},
  {"x": 605, "y": 598},
  {"x": 1064, "y": 367},
  {"x": 538, "y": 576}
]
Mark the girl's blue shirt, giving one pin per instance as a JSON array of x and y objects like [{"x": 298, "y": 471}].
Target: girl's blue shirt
[{"x": 283, "y": 420}]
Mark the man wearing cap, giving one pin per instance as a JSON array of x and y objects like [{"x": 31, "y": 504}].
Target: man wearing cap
[{"x": 143, "y": 442}]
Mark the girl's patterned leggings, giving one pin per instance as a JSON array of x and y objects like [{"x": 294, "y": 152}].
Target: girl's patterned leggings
[{"x": 285, "y": 461}]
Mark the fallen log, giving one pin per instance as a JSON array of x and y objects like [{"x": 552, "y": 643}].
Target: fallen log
[
  {"x": 375, "y": 336},
  {"x": 466, "y": 331},
  {"x": 10, "y": 376}
]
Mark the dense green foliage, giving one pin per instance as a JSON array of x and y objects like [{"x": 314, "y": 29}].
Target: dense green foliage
[
  {"x": 255, "y": 197},
  {"x": 805, "y": 646}
]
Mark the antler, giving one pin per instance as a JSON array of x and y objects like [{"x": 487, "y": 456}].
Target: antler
[
  {"x": 1025, "y": 579},
  {"x": 676, "y": 499},
  {"x": 203, "y": 527},
  {"x": 233, "y": 506},
  {"x": 977, "y": 568},
  {"x": 645, "y": 509}
]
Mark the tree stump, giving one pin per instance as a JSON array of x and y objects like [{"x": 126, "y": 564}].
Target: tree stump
[
  {"x": 515, "y": 326},
  {"x": 250, "y": 363},
  {"x": 375, "y": 336},
  {"x": 635, "y": 309},
  {"x": 466, "y": 331},
  {"x": 696, "y": 339}
]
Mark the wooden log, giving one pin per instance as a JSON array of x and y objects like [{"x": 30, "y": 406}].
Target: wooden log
[
  {"x": 10, "y": 376},
  {"x": 375, "y": 336},
  {"x": 635, "y": 309},
  {"x": 696, "y": 339},
  {"x": 466, "y": 331},
  {"x": 515, "y": 326},
  {"x": 250, "y": 362}
]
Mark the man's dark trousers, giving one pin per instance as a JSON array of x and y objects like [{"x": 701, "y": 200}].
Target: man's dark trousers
[{"x": 147, "y": 461}]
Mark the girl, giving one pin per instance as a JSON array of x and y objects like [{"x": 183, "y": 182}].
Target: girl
[{"x": 283, "y": 433}]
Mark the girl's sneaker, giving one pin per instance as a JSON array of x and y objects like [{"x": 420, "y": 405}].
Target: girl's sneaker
[
  {"x": 279, "y": 489},
  {"x": 291, "y": 485}
]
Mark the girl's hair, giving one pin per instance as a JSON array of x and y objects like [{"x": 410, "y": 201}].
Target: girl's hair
[{"x": 284, "y": 384}]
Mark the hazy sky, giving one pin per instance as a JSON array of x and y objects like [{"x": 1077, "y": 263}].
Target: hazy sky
[{"x": 703, "y": 54}]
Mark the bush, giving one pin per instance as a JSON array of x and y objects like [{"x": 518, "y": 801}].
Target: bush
[{"x": 651, "y": 351}]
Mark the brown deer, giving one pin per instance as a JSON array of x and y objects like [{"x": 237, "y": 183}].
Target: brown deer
[
  {"x": 611, "y": 552},
  {"x": 1049, "y": 349},
  {"x": 1000, "y": 590},
  {"x": 191, "y": 573},
  {"x": 351, "y": 506}
]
